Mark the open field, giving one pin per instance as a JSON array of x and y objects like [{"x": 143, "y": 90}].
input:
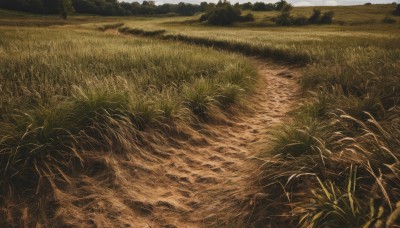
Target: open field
[
  {"x": 344, "y": 15},
  {"x": 87, "y": 101},
  {"x": 68, "y": 92}
]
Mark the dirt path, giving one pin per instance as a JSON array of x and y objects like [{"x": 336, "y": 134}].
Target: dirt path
[
  {"x": 189, "y": 182},
  {"x": 202, "y": 179}
]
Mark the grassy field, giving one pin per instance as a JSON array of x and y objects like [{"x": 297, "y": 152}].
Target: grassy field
[
  {"x": 67, "y": 90},
  {"x": 342, "y": 147},
  {"x": 72, "y": 88},
  {"x": 344, "y": 15}
]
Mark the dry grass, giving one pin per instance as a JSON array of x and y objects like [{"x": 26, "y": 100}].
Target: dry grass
[
  {"x": 69, "y": 94},
  {"x": 348, "y": 124},
  {"x": 336, "y": 164}
]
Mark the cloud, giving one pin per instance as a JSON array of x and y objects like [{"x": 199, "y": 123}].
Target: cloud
[
  {"x": 302, "y": 3},
  {"x": 330, "y": 3}
]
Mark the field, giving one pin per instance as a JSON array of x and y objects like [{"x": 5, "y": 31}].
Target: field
[{"x": 311, "y": 113}]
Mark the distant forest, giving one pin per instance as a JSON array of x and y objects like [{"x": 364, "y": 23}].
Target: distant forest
[{"x": 115, "y": 8}]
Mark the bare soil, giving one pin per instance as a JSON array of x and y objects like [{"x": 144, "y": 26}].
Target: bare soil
[{"x": 199, "y": 180}]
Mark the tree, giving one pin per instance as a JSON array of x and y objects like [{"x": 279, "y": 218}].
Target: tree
[
  {"x": 103, "y": 7},
  {"x": 203, "y": 6},
  {"x": 36, "y": 6},
  {"x": 281, "y": 5},
  {"x": 327, "y": 18},
  {"x": 185, "y": 9},
  {"x": 247, "y": 6},
  {"x": 66, "y": 8},
  {"x": 396, "y": 12},
  {"x": 51, "y": 6},
  {"x": 259, "y": 6},
  {"x": 315, "y": 17},
  {"x": 284, "y": 19},
  {"x": 225, "y": 14}
]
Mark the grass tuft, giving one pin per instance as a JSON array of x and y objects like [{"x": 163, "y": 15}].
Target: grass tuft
[
  {"x": 308, "y": 137},
  {"x": 200, "y": 97}
]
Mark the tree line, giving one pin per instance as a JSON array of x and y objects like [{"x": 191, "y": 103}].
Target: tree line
[
  {"x": 115, "y": 8},
  {"x": 102, "y": 7}
]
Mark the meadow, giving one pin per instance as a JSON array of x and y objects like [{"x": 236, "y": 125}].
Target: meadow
[
  {"x": 342, "y": 146},
  {"x": 73, "y": 88},
  {"x": 66, "y": 91}
]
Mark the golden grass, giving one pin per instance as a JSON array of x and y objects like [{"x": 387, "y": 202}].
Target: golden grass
[
  {"x": 115, "y": 85},
  {"x": 68, "y": 92}
]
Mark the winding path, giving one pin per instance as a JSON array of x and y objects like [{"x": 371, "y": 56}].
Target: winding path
[{"x": 196, "y": 181}]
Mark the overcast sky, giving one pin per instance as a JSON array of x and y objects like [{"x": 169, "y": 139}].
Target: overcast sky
[{"x": 294, "y": 2}]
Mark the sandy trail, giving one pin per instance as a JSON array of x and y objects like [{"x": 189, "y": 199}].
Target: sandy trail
[
  {"x": 188, "y": 182},
  {"x": 205, "y": 180}
]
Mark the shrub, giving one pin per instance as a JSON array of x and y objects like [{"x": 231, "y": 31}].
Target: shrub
[
  {"x": 247, "y": 6},
  {"x": 66, "y": 8},
  {"x": 284, "y": 19},
  {"x": 388, "y": 20},
  {"x": 396, "y": 12},
  {"x": 225, "y": 14},
  {"x": 261, "y": 6},
  {"x": 246, "y": 18},
  {"x": 315, "y": 17},
  {"x": 300, "y": 21},
  {"x": 279, "y": 6},
  {"x": 326, "y": 18},
  {"x": 367, "y": 4}
]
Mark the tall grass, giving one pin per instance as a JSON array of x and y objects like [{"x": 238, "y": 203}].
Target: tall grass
[
  {"x": 351, "y": 119},
  {"x": 69, "y": 91},
  {"x": 66, "y": 92},
  {"x": 354, "y": 110}
]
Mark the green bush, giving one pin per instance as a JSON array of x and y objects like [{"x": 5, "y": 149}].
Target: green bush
[
  {"x": 326, "y": 18},
  {"x": 285, "y": 19},
  {"x": 279, "y": 6},
  {"x": 299, "y": 21},
  {"x": 388, "y": 20},
  {"x": 396, "y": 12},
  {"x": 246, "y": 18},
  {"x": 225, "y": 14},
  {"x": 315, "y": 17}
]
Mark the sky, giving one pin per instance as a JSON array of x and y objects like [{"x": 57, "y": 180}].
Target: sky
[{"x": 294, "y": 2}]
